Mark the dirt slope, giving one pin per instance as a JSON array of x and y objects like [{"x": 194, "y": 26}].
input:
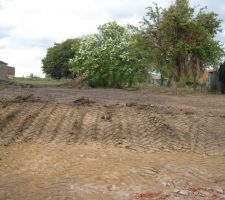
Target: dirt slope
[
  {"x": 60, "y": 143},
  {"x": 133, "y": 126}
]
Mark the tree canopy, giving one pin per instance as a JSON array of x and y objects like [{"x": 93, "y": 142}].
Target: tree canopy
[
  {"x": 110, "y": 58},
  {"x": 56, "y": 62},
  {"x": 178, "y": 41},
  {"x": 182, "y": 41}
]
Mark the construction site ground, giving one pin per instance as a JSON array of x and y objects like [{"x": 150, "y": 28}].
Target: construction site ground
[{"x": 110, "y": 144}]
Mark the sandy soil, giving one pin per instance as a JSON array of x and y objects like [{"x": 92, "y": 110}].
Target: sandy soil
[{"x": 66, "y": 143}]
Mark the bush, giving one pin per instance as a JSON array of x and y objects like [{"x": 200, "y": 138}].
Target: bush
[
  {"x": 110, "y": 58},
  {"x": 56, "y": 61},
  {"x": 222, "y": 77}
]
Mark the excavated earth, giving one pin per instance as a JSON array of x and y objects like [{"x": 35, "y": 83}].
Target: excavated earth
[{"x": 66, "y": 143}]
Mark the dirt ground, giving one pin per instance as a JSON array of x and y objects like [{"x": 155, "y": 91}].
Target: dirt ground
[{"x": 68, "y": 143}]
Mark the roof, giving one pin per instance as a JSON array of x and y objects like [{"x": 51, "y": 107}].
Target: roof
[
  {"x": 11, "y": 67},
  {"x": 155, "y": 75},
  {"x": 3, "y": 62},
  {"x": 212, "y": 71}
]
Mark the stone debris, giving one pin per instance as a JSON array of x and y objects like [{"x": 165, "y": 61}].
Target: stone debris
[
  {"x": 183, "y": 192},
  {"x": 204, "y": 193},
  {"x": 176, "y": 191},
  {"x": 219, "y": 190},
  {"x": 111, "y": 187},
  {"x": 165, "y": 184}
]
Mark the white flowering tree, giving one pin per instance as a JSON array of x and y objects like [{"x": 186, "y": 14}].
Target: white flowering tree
[{"x": 110, "y": 58}]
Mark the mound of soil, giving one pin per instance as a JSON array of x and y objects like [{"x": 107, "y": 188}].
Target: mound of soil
[
  {"x": 4, "y": 84},
  {"x": 83, "y": 101},
  {"x": 26, "y": 98},
  {"x": 141, "y": 128},
  {"x": 80, "y": 82}
]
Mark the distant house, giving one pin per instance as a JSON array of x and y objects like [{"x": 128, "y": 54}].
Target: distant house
[
  {"x": 155, "y": 79},
  {"x": 6, "y": 71},
  {"x": 211, "y": 78}
]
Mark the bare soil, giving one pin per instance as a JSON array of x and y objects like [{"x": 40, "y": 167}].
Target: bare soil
[{"x": 68, "y": 143}]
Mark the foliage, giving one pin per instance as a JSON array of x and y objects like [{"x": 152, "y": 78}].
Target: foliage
[
  {"x": 178, "y": 42},
  {"x": 222, "y": 77},
  {"x": 152, "y": 39},
  {"x": 184, "y": 37},
  {"x": 56, "y": 62},
  {"x": 110, "y": 58}
]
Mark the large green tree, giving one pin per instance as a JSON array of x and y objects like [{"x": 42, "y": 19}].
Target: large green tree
[
  {"x": 185, "y": 38},
  {"x": 202, "y": 48},
  {"x": 110, "y": 58},
  {"x": 56, "y": 61},
  {"x": 176, "y": 25}
]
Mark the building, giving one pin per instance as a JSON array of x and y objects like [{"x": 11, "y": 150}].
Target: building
[
  {"x": 155, "y": 79},
  {"x": 213, "y": 80},
  {"x": 6, "y": 71}
]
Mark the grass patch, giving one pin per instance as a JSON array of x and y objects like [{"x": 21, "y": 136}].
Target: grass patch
[{"x": 41, "y": 82}]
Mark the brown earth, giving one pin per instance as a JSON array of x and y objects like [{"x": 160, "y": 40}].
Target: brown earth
[{"x": 64, "y": 143}]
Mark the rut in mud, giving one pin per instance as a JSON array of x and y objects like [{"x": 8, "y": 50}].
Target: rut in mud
[{"x": 132, "y": 126}]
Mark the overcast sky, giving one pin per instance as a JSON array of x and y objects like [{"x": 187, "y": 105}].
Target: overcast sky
[{"x": 29, "y": 27}]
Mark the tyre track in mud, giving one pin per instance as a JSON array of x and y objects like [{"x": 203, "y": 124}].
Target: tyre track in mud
[
  {"x": 141, "y": 128},
  {"x": 200, "y": 133},
  {"x": 53, "y": 150}
]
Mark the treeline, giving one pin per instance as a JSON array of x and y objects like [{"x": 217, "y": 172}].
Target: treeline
[{"x": 178, "y": 41}]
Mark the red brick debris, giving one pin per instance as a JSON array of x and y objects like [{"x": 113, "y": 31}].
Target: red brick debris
[{"x": 193, "y": 189}]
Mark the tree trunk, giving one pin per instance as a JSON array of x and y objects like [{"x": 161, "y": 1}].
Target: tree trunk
[
  {"x": 194, "y": 82},
  {"x": 174, "y": 85},
  {"x": 130, "y": 83},
  {"x": 178, "y": 68},
  {"x": 222, "y": 88},
  {"x": 194, "y": 71},
  {"x": 169, "y": 81},
  {"x": 162, "y": 80}
]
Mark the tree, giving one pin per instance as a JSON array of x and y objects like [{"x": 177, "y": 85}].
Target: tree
[
  {"x": 153, "y": 39},
  {"x": 222, "y": 77},
  {"x": 110, "y": 58},
  {"x": 176, "y": 26},
  {"x": 181, "y": 41},
  {"x": 56, "y": 62},
  {"x": 203, "y": 49}
]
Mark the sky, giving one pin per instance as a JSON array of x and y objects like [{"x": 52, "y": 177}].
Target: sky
[{"x": 29, "y": 27}]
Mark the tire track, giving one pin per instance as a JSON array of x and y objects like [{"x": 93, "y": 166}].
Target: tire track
[
  {"x": 41, "y": 121},
  {"x": 23, "y": 122},
  {"x": 129, "y": 127}
]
